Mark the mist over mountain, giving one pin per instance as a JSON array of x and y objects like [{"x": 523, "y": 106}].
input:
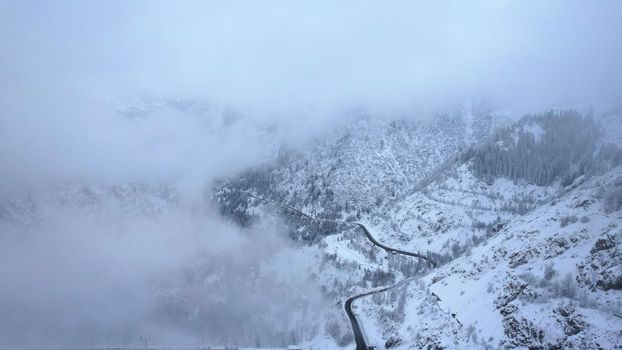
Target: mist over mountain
[{"x": 318, "y": 174}]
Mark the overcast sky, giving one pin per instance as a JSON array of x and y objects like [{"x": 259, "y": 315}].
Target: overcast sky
[
  {"x": 283, "y": 55},
  {"x": 181, "y": 93},
  {"x": 66, "y": 67}
]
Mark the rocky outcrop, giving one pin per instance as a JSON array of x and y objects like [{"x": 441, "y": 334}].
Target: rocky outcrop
[{"x": 602, "y": 269}]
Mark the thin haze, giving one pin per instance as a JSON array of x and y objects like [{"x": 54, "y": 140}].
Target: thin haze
[
  {"x": 180, "y": 94},
  {"x": 67, "y": 66}
]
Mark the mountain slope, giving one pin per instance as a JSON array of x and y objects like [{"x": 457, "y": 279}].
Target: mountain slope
[
  {"x": 352, "y": 172},
  {"x": 530, "y": 266},
  {"x": 497, "y": 229}
]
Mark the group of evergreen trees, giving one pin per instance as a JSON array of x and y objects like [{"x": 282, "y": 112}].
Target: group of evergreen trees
[
  {"x": 563, "y": 147},
  {"x": 234, "y": 202}
]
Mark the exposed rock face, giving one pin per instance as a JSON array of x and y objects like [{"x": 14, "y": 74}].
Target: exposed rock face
[
  {"x": 603, "y": 244},
  {"x": 572, "y": 322},
  {"x": 510, "y": 292},
  {"x": 527, "y": 240},
  {"x": 602, "y": 268},
  {"x": 523, "y": 333},
  {"x": 392, "y": 342}
]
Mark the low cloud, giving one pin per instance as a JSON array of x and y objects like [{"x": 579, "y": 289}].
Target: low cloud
[
  {"x": 177, "y": 96},
  {"x": 105, "y": 266},
  {"x": 68, "y": 67}
]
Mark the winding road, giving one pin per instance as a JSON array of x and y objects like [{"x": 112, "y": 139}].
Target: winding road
[
  {"x": 357, "y": 329},
  {"x": 359, "y": 337},
  {"x": 392, "y": 250}
]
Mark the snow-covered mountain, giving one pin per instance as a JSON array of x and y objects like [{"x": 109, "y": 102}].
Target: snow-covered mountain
[
  {"x": 526, "y": 220},
  {"x": 352, "y": 171}
]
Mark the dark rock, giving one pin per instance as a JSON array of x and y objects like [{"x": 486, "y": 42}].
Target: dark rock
[
  {"x": 572, "y": 322},
  {"x": 563, "y": 311},
  {"x": 510, "y": 292},
  {"x": 508, "y": 310},
  {"x": 498, "y": 227},
  {"x": 391, "y": 342},
  {"x": 556, "y": 246},
  {"x": 602, "y": 269},
  {"x": 523, "y": 333},
  {"x": 573, "y": 326},
  {"x": 602, "y": 244},
  {"x": 585, "y": 203},
  {"x": 522, "y": 257}
]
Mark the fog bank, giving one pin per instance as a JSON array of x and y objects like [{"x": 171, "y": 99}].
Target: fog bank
[
  {"x": 68, "y": 68},
  {"x": 109, "y": 107}
]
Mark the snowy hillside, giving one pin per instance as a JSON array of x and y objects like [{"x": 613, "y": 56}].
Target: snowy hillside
[
  {"x": 549, "y": 278},
  {"x": 524, "y": 252},
  {"x": 159, "y": 255},
  {"x": 526, "y": 259},
  {"x": 353, "y": 171},
  {"x": 310, "y": 175}
]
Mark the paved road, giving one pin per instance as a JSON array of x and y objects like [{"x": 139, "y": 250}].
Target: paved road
[
  {"x": 392, "y": 250},
  {"x": 359, "y": 337}
]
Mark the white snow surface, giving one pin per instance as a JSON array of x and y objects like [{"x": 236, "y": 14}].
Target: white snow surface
[{"x": 525, "y": 265}]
